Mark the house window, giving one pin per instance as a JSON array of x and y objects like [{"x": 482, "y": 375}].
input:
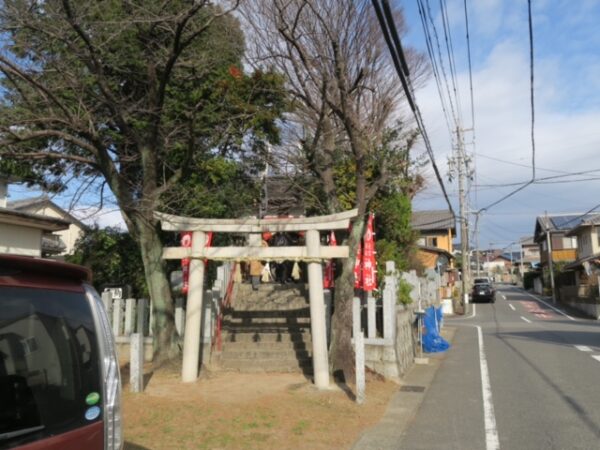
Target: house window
[
  {"x": 432, "y": 241},
  {"x": 544, "y": 246},
  {"x": 421, "y": 241},
  {"x": 557, "y": 243}
]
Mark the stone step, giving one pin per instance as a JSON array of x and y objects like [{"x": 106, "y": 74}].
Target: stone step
[
  {"x": 229, "y": 354},
  {"x": 269, "y": 303},
  {"x": 275, "y": 321},
  {"x": 302, "y": 335},
  {"x": 259, "y": 366},
  {"x": 264, "y": 329},
  {"x": 300, "y": 288},
  {"x": 269, "y": 297},
  {"x": 283, "y": 313},
  {"x": 288, "y": 346}
]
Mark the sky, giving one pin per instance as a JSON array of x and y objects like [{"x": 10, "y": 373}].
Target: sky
[{"x": 567, "y": 109}]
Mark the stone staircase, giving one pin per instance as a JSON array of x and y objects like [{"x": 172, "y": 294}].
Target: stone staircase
[{"x": 267, "y": 330}]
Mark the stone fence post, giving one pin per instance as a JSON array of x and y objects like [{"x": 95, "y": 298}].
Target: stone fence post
[{"x": 136, "y": 363}]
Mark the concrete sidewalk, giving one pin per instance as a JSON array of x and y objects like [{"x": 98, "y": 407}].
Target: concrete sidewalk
[{"x": 404, "y": 405}]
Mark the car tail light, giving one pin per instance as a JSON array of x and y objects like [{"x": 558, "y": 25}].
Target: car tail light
[{"x": 113, "y": 430}]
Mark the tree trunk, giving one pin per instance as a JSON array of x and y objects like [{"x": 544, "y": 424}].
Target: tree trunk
[
  {"x": 166, "y": 342},
  {"x": 341, "y": 351}
]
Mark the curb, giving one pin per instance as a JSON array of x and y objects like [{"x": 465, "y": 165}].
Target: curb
[{"x": 404, "y": 404}]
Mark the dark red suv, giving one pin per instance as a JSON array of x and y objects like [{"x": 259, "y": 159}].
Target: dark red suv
[{"x": 59, "y": 376}]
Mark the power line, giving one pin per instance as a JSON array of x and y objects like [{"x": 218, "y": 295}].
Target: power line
[
  {"x": 429, "y": 15},
  {"x": 544, "y": 180},
  {"x": 531, "y": 65},
  {"x": 450, "y": 53},
  {"x": 527, "y": 166},
  {"x": 531, "y": 89},
  {"x": 388, "y": 28},
  {"x": 434, "y": 65},
  {"x": 470, "y": 70},
  {"x": 475, "y": 174}
]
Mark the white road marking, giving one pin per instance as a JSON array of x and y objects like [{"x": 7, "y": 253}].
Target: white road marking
[
  {"x": 504, "y": 297},
  {"x": 583, "y": 348},
  {"x": 512, "y": 307},
  {"x": 550, "y": 306},
  {"x": 526, "y": 320},
  {"x": 491, "y": 432},
  {"x": 596, "y": 357}
]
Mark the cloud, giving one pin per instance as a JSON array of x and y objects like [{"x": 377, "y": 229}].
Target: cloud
[{"x": 566, "y": 108}]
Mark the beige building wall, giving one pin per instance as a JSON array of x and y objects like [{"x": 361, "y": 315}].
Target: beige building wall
[
  {"x": 20, "y": 240},
  {"x": 595, "y": 237},
  {"x": 68, "y": 236},
  {"x": 428, "y": 259}
]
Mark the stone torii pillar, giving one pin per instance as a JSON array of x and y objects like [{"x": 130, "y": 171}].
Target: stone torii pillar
[
  {"x": 193, "y": 314},
  {"x": 313, "y": 253},
  {"x": 318, "y": 325}
]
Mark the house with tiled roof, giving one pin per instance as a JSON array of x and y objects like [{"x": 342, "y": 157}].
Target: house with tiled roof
[
  {"x": 583, "y": 291},
  {"x": 437, "y": 229},
  {"x": 551, "y": 233},
  {"x": 26, "y": 233},
  {"x": 44, "y": 206}
]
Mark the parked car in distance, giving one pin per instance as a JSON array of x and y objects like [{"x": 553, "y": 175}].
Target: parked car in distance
[
  {"x": 59, "y": 376},
  {"x": 483, "y": 291}
]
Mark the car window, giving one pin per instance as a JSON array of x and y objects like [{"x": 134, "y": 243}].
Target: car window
[
  {"x": 481, "y": 281},
  {"x": 49, "y": 365}
]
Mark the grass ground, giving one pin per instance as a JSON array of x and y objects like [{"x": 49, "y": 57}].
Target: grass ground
[{"x": 247, "y": 411}]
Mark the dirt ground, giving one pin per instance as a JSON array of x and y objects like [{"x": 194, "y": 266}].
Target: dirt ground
[{"x": 225, "y": 410}]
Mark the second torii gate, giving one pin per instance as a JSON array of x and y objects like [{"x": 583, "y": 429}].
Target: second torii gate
[{"x": 312, "y": 253}]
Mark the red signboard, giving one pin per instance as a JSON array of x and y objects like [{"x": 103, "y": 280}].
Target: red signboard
[{"x": 369, "y": 265}]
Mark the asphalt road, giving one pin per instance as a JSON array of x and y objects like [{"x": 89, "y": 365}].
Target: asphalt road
[{"x": 520, "y": 375}]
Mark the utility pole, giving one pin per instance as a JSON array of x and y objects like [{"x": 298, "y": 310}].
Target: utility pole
[
  {"x": 459, "y": 162},
  {"x": 550, "y": 262},
  {"x": 477, "y": 255},
  {"x": 521, "y": 260}
]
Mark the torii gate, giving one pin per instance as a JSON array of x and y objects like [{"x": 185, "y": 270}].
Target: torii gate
[{"x": 313, "y": 253}]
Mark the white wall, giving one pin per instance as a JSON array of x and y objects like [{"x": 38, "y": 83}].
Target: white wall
[
  {"x": 68, "y": 236},
  {"x": 20, "y": 240}
]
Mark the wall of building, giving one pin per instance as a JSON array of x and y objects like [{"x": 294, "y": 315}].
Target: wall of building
[
  {"x": 68, "y": 236},
  {"x": 445, "y": 242},
  {"x": 437, "y": 239},
  {"x": 531, "y": 253},
  {"x": 585, "y": 244},
  {"x": 428, "y": 259},
  {"x": 19, "y": 240},
  {"x": 564, "y": 255}
]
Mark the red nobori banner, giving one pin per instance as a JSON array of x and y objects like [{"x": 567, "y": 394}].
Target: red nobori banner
[
  {"x": 328, "y": 279},
  {"x": 186, "y": 241},
  {"x": 369, "y": 264}
]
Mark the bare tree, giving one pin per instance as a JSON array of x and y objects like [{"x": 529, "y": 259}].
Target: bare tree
[{"x": 348, "y": 106}]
